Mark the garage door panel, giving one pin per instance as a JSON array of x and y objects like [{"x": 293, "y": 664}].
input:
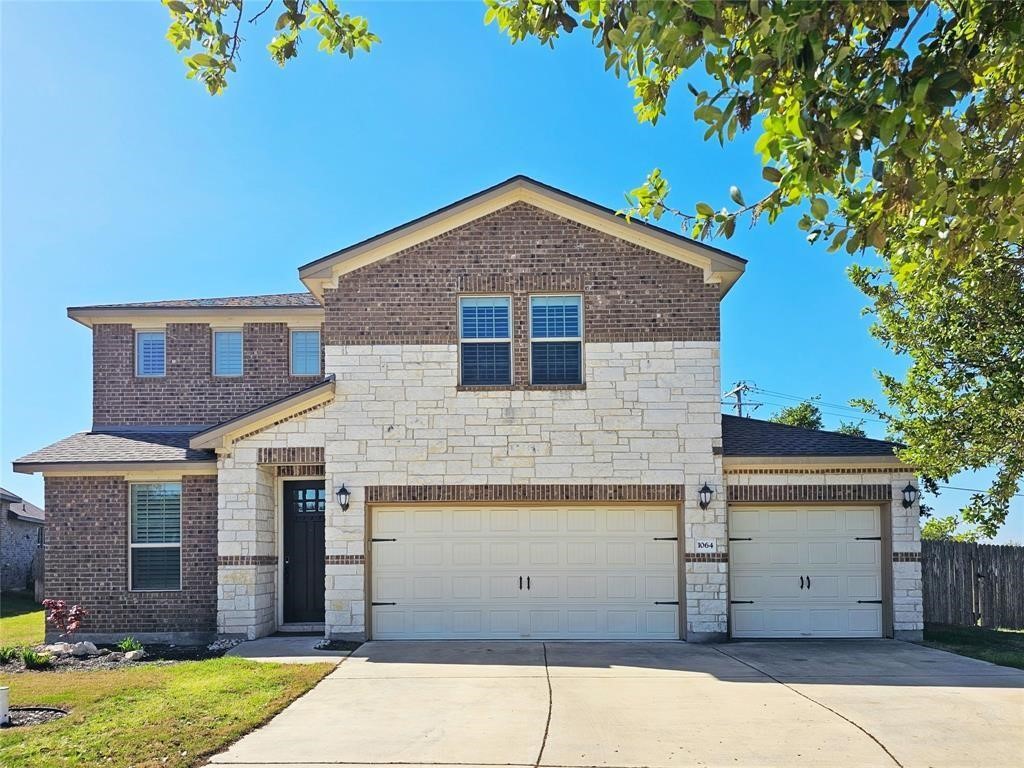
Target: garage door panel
[
  {"x": 593, "y": 573},
  {"x": 804, "y": 571},
  {"x": 430, "y": 522}
]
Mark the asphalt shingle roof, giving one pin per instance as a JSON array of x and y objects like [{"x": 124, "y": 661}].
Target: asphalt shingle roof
[
  {"x": 115, "y": 446},
  {"x": 272, "y": 300},
  {"x": 753, "y": 437}
]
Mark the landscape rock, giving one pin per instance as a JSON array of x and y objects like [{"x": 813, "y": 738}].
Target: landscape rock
[
  {"x": 104, "y": 651},
  {"x": 58, "y": 649},
  {"x": 85, "y": 648},
  {"x": 134, "y": 655},
  {"x": 115, "y": 656}
]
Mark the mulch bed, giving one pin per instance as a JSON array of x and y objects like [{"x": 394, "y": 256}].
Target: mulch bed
[
  {"x": 339, "y": 645},
  {"x": 155, "y": 654},
  {"x": 21, "y": 716}
]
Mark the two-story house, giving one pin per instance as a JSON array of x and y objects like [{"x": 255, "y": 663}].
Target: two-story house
[{"x": 500, "y": 420}]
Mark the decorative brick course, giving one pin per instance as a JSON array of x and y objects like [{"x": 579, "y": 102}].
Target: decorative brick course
[
  {"x": 293, "y": 455},
  {"x": 300, "y": 470},
  {"x": 629, "y": 293},
  {"x": 345, "y": 559},
  {"x": 826, "y": 470},
  {"x": 809, "y": 493},
  {"x": 87, "y": 557},
  {"x": 906, "y": 557},
  {"x": 706, "y": 557},
  {"x": 189, "y": 393},
  {"x": 522, "y": 493},
  {"x": 247, "y": 560}
]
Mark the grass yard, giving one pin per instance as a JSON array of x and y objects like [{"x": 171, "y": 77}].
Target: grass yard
[
  {"x": 999, "y": 646},
  {"x": 149, "y": 715},
  {"x": 21, "y": 619}
]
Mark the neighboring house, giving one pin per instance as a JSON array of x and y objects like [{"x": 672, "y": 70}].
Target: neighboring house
[
  {"x": 21, "y": 539},
  {"x": 500, "y": 420}
]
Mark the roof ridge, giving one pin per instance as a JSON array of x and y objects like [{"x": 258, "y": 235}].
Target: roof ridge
[{"x": 809, "y": 429}]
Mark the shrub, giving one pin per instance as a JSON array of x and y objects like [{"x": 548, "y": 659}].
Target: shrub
[
  {"x": 67, "y": 620},
  {"x": 129, "y": 644},
  {"x": 34, "y": 660},
  {"x": 8, "y": 653}
]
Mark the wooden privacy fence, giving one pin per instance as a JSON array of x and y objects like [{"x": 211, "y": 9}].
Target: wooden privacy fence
[{"x": 973, "y": 584}]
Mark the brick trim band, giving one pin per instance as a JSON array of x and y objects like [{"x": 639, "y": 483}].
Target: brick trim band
[
  {"x": 376, "y": 494},
  {"x": 906, "y": 557},
  {"x": 300, "y": 470},
  {"x": 826, "y": 470},
  {"x": 294, "y": 455},
  {"x": 345, "y": 559},
  {"x": 707, "y": 557},
  {"x": 801, "y": 493},
  {"x": 246, "y": 559}
]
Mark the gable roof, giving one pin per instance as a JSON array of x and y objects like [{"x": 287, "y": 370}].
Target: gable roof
[
  {"x": 746, "y": 437},
  {"x": 27, "y": 512},
  {"x": 718, "y": 265},
  {"x": 264, "y": 301}
]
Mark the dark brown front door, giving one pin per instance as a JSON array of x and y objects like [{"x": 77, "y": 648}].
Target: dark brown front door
[{"x": 304, "y": 502}]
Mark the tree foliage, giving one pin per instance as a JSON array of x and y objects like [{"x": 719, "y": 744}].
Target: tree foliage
[
  {"x": 945, "y": 529},
  {"x": 806, "y": 415},
  {"x": 852, "y": 428},
  {"x": 212, "y": 28},
  {"x": 895, "y": 126}
]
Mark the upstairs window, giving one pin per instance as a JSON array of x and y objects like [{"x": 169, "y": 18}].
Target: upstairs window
[
  {"x": 149, "y": 353},
  {"x": 305, "y": 353},
  {"x": 485, "y": 340},
  {"x": 556, "y": 339},
  {"x": 155, "y": 549},
  {"x": 227, "y": 353}
]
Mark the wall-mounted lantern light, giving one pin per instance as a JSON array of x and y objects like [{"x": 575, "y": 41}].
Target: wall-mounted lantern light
[
  {"x": 344, "y": 494},
  {"x": 704, "y": 496},
  {"x": 910, "y": 494}
]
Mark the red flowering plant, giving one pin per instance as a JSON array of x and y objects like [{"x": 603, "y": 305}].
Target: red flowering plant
[{"x": 67, "y": 620}]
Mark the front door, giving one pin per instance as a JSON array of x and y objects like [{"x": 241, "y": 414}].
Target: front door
[{"x": 304, "y": 502}]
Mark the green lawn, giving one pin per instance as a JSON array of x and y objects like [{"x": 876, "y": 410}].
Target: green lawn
[
  {"x": 149, "y": 716},
  {"x": 21, "y": 619},
  {"x": 1000, "y": 646}
]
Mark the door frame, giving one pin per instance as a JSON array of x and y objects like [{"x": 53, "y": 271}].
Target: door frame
[
  {"x": 279, "y": 543},
  {"x": 885, "y": 529},
  {"x": 368, "y": 548}
]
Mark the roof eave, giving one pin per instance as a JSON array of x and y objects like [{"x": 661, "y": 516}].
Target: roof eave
[
  {"x": 838, "y": 461},
  {"x": 90, "y": 316},
  {"x": 114, "y": 467}
]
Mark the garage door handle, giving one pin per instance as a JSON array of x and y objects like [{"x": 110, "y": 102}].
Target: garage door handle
[
  {"x": 666, "y": 602},
  {"x": 870, "y": 601},
  {"x": 527, "y": 582},
  {"x": 801, "y": 582},
  {"x": 520, "y": 583},
  {"x": 808, "y": 582},
  {"x": 736, "y": 538},
  {"x": 741, "y": 602}
]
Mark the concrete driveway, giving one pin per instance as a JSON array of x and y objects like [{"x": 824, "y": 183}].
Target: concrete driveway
[{"x": 813, "y": 703}]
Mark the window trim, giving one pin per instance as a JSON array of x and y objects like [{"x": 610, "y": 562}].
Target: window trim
[
  {"x": 161, "y": 545},
  {"x": 213, "y": 352},
  {"x": 579, "y": 339},
  {"x": 291, "y": 356},
  {"x": 138, "y": 357},
  {"x": 510, "y": 340}
]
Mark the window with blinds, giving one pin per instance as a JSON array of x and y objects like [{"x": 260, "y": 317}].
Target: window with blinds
[
  {"x": 227, "y": 353},
  {"x": 155, "y": 545},
  {"x": 485, "y": 340},
  {"x": 305, "y": 353},
  {"x": 149, "y": 353},
  {"x": 556, "y": 339}
]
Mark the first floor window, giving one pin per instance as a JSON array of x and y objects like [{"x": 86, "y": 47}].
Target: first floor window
[
  {"x": 556, "y": 339},
  {"x": 227, "y": 353},
  {"x": 155, "y": 536},
  {"x": 305, "y": 353},
  {"x": 485, "y": 340},
  {"x": 149, "y": 353}
]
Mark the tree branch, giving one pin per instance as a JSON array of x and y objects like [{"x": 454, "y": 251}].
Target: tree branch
[{"x": 265, "y": 9}]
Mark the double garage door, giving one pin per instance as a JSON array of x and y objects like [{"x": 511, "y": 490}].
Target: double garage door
[
  {"x": 510, "y": 572},
  {"x": 805, "y": 572}
]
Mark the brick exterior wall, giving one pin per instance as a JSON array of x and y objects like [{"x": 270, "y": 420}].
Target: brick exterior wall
[
  {"x": 189, "y": 393},
  {"x": 522, "y": 493},
  {"x": 810, "y": 493},
  {"x": 19, "y": 542},
  {"x": 630, "y": 294},
  {"x": 87, "y": 557}
]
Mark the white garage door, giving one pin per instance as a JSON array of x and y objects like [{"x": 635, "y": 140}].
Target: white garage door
[
  {"x": 805, "y": 572},
  {"x": 525, "y": 572}
]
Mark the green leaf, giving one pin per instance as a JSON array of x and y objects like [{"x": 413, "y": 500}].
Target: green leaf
[
  {"x": 819, "y": 208},
  {"x": 705, "y": 210},
  {"x": 177, "y": 6},
  {"x": 774, "y": 175},
  {"x": 705, "y": 8},
  {"x": 736, "y": 195}
]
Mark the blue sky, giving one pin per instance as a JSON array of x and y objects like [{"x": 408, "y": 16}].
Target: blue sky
[{"x": 123, "y": 181}]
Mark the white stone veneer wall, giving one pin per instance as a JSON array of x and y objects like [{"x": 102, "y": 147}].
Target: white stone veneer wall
[
  {"x": 908, "y": 605},
  {"x": 650, "y": 414}
]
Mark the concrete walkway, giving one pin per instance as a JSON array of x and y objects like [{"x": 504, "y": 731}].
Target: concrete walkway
[
  {"x": 657, "y": 705},
  {"x": 298, "y": 649}
]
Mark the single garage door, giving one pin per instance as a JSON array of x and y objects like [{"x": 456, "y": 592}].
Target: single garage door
[
  {"x": 524, "y": 572},
  {"x": 805, "y": 572}
]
